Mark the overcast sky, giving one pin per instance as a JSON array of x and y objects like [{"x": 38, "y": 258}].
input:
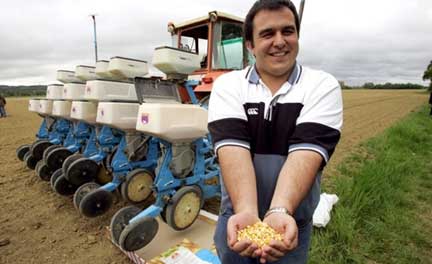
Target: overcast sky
[{"x": 357, "y": 41}]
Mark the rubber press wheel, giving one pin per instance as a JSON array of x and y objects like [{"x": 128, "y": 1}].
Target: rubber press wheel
[
  {"x": 30, "y": 161},
  {"x": 105, "y": 172},
  {"x": 38, "y": 149},
  {"x": 184, "y": 207},
  {"x": 38, "y": 164},
  {"x": 139, "y": 233},
  {"x": 96, "y": 203},
  {"x": 68, "y": 161},
  {"x": 63, "y": 187},
  {"x": 43, "y": 171},
  {"x": 81, "y": 171},
  {"x": 138, "y": 186},
  {"x": 56, "y": 157},
  {"x": 120, "y": 220},
  {"x": 48, "y": 150},
  {"x": 21, "y": 151},
  {"x": 56, "y": 174},
  {"x": 107, "y": 161},
  {"x": 82, "y": 191},
  {"x": 103, "y": 176}
]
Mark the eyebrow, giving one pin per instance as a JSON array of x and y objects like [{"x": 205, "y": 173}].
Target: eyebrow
[
  {"x": 270, "y": 30},
  {"x": 265, "y": 31}
]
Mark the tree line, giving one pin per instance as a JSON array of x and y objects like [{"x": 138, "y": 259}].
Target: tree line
[
  {"x": 32, "y": 90},
  {"x": 392, "y": 86},
  {"x": 427, "y": 75}
]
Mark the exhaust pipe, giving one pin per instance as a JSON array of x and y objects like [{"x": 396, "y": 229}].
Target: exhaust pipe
[{"x": 302, "y": 3}]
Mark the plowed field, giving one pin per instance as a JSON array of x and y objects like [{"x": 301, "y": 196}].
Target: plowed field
[{"x": 38, "y": 226}]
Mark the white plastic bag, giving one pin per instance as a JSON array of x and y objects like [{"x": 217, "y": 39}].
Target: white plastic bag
[{"x": 321, "y": 216}]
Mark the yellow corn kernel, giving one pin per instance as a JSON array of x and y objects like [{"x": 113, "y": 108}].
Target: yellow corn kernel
[{"x": 259, "y": 233}]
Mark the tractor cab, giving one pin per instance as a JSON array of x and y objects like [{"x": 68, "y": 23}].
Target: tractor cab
[{"x": 203, "y": 49}]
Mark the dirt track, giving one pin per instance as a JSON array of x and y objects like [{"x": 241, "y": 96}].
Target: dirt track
[{"x": 42, "y": 227}]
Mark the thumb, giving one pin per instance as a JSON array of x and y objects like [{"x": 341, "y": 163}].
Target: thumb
[{"x": 231, "y": 233}]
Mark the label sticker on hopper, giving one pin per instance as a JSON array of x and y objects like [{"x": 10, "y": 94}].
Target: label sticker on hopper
[{"x": 145, "y": 118}]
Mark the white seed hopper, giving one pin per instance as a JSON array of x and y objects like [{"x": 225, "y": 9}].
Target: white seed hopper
[
  {"x": 33, "y": 105},
  {"x": 99, "y": 90},
  {"x": 61, "y": 108},
  {"x": 175, "y": 61},
  {"x": 74, "y": 91},
  {"x": 102, "y": 70},
  {"x": 172, "y": 122},
  {"x": 85, "y": 73},
  {"x": 67, "y": 77},
  {"x": 85, "y": 111},
  {"x": 45, "y": 107},
  {"x": 125, "y": 68},
  {"x": 119, "y": 115},
  {"x": 54, "y": 92}
]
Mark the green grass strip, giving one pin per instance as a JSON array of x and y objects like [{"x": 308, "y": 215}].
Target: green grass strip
[{"x": 384, "y": 213}]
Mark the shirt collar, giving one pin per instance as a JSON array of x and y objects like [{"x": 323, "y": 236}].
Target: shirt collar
[{"x": 293, "y": 78}]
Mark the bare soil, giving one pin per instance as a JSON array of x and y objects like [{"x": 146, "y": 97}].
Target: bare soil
[
  {"x": 39, "y": 226},
  {"x": 367, "y": 113}
]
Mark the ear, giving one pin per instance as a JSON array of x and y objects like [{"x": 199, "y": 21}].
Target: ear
[{"x": 249, "y": 46}]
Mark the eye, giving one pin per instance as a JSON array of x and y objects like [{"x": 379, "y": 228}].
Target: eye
[
  {"x": 288, "y": 31},
  {"x": 266, "y": 34}
]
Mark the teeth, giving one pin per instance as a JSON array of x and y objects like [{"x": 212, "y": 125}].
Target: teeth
[{"x": 279, "y": 54}]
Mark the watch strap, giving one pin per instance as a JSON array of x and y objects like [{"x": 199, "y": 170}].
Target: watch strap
[{"x": 273, "y": 210}]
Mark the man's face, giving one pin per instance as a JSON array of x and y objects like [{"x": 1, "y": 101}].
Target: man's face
[{"x": 275, "y": 42}]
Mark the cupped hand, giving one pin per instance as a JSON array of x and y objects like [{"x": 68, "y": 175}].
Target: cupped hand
[
  {"x": 285, "y": 225},
  {"x": 236, "y": 222}
]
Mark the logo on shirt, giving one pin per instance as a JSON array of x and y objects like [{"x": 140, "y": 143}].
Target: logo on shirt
[{"x": 252, "y": 111}]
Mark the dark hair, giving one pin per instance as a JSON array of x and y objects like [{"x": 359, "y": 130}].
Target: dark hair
[{"x": 267, "y": 5}]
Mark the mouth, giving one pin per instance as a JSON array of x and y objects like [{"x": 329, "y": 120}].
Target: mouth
[{"x": 279, "y": 53}]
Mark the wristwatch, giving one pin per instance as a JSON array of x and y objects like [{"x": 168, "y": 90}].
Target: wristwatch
[{"x": 277, "y": 210}]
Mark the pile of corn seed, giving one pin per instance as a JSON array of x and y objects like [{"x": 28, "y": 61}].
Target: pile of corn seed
[{"x": 259, "y": 233}]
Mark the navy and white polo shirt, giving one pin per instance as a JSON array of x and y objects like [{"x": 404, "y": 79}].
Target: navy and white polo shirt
[{"x": 305, "y": 114}]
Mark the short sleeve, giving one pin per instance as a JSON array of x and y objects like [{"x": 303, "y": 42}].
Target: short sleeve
[
  {"x": 319, "y": 124},
  {"x": 227, "y": 120}
]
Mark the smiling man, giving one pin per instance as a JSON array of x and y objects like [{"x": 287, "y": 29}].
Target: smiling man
[{"x": 274, "y": 127}]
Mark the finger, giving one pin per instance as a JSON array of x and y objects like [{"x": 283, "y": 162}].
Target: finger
[
  {"x": 249, "y": 251},
  {"x": 280, "y": 245},
  {"x": 290, "y": 239},
  {"x": 272, "y": 252},
  {"x": 265, "y": 257},
  {"x": 257, "y": 253},
  {"x": 290, "y": 235},
  {"x": 231, "y": 233},
  {"x": 294, "y": 244},
  {"x": 241, "y": 246}
]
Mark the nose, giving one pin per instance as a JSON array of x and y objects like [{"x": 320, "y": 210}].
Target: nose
[{"x": 279, "y": 40}]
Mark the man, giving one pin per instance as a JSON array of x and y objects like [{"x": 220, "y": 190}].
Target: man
[
  {"x": 2, "y": 106},
  {"x": 274, "y": 126}
]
